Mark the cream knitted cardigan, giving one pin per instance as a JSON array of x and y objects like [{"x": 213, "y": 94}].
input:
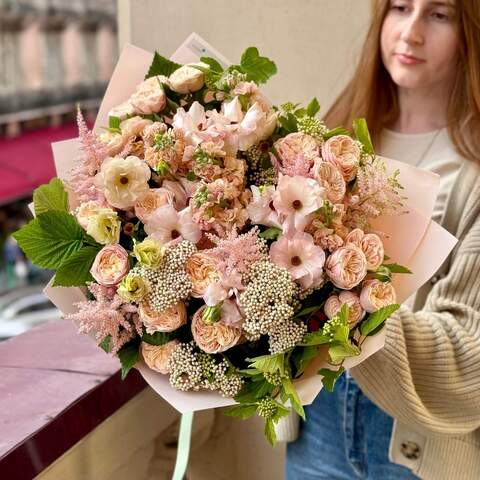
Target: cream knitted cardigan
[{"x": 428, "y": 374}]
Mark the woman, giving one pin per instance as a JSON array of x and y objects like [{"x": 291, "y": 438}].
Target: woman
[{"x": 413, "y": 409}]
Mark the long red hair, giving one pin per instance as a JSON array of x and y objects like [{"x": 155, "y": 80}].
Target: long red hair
[{"x": 372, "y": 94}]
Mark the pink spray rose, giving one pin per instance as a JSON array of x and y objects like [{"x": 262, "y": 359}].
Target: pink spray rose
[
  {"x": 110, "y": 265},
  {"x": 346, "y": 267},
  {"x": 376, "y": 295},
  {"x": 344, "y": 153}
]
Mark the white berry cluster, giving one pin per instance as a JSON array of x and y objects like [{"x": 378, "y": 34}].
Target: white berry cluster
[{"x": 169, "y": 283}]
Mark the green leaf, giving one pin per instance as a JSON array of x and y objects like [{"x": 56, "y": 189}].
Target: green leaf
[
  {"x": 75, "y": 270},
  {"x": 51, "y": 196},
  {"x": 301, "y": 358},
  {"x": 289, "y": 123},
  {"x": 254, "y": 390},
  {"x": 315, "y": 338},
  {"x": 308, "y": 310},
  {"x": 105, "y": 344},
  {"x": 50, "y": 239},
  {"x": 258, "y": 69},
  {"x": 271, "y": 233},
  {"x": 214, "y": 65},
  {"x": 396, "y": 268},
  {"x": 289, "y": 389},
  {"x": 375, "y": 319},
  {"x": 313, "y": 107},
  {"x": 128, "y": 356},
  {"x": 269, "y": 363},
  {"x": 342, "y": 351},
  {"x": 161, "y": 66},
  {"x": 114, "y": 122},
  {"x": 241, "y": 411},
  {"x": 158, "y": 338},
  {"x": 191, "y": 177},
  {"x": 330, "y": 377},
  {"x": 363, "y": 135},
  {"x": 282, "y": 411},
  {"x": 270, "y": 432},
  {"x": 336, "y": 131}
]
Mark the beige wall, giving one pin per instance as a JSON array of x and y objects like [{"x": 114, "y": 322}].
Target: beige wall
[{"x": 314, "y": 42}]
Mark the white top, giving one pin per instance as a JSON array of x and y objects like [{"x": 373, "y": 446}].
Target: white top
[{"x": 432, "y": 151}]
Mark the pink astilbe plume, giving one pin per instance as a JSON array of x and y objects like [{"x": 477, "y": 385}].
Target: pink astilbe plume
[
  {"x": 93, "y": 153},
  {"x": 107, "y": 315},
  {"x": 375, "y": 193},
  {"x": 236, "y": 253}
]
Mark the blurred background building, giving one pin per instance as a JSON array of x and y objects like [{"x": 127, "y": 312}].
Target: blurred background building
[{"x": 54, "y": 54}]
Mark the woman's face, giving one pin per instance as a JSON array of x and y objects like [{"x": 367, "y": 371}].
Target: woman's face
[{"x": 419, "y": 42}]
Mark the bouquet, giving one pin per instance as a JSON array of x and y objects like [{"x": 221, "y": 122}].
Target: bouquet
[{"x": 223, "y": 244}]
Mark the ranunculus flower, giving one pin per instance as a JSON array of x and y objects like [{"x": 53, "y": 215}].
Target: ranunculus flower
[
  {"x": 110, "y": 265},
  {"x": 371, "y": 245},
  {"x": 133, "y": 288},
  {"x": 344, "y": 153},
  {"x": 149, "y": 97},
  {"x": 260, "y": 209},
  {"x": 296, "y": 198},
  {"x": 153, "y": 199},
  {"x": 346, "y": 267},
  {"x": 301, "y": 257},
  {"x": 86, "y": 211},
  {"x": 202, "y": 271},
  {"x": 157, "y": 356},
  {"x": 187, "y": 79},
  {"x": 166, "y": 224},
  {"x": 122, "y": 111},
  {"x": 298, "y": 152},
  {"x": 149, "y": 252},
  {"x": 114, "y": 142},
  {"x": 124, "y": 181},
  {"x": 355, "y": 311},
  {"x": 331, "y": 179},
  {"x": 376, "y": 295},
  {"x": 214, "y": 337},
  {"x": 104, "y": 226},
  {"x": 134, "y": 126},
  {"x": 165, "y": 321}
]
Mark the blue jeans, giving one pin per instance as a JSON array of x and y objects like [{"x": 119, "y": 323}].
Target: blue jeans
[{"x": 345, "y": 437}]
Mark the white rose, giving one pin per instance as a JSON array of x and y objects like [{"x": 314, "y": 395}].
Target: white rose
[
  {"x": 123, "y": 181},
  {"x": 187, "y": 79},
  {"x": 122, "y": 111},
  {"x": 149, "y": 96},
  {"x": 133, "y": 127}
]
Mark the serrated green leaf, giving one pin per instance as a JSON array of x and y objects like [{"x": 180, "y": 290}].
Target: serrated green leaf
[
  {"x": 258, "y": 69},
  {"x": 105, "y": 344},
  {"x": 396, "y": 268},
  {"x": 313, "y": 107},
  {"x": 301, "y": 358},
  {"x": 363, "y": 135},
  {"x": 254, "y": 390},
  {"x": 270, "y": 432},
  {"x": 214, "y": 65},
  {"x": 241, "y": 411},
  {"x": 75, "y": 270},
  {"x": 50, "y": 239},
  {"x": 342, "y": 351},
  {"x": 158, "y": 338},
  {"x": 374, "y": 320},
  {"x": 336, "y": 131},
  {"x": 330, "y": 377},
  {"x": 114, "y": 122},
  {"x": 161, "y": 66},
  {"x": 269, "y": 363},
  {"x": 271, "y": 233},
  {"x": 289, "y": 389},
  {"x": 51, "y": 196},
  {"x": 128, "y": 356},
  {"x": 315, "y": 338}
]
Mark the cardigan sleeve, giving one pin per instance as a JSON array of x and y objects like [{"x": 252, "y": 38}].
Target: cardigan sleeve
[{"x": 428, "y": 374}]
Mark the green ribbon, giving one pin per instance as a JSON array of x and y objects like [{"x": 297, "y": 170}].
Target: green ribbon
[{"x": 183, "y": 447}]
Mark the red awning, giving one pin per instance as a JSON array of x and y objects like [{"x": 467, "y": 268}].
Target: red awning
[{"x": 27, "y": 161}]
